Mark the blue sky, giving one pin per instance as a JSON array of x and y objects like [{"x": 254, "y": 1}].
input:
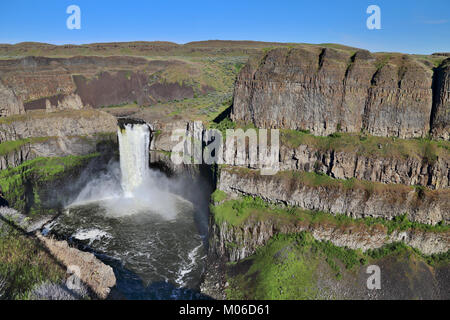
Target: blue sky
[{"x": 407, "y": 26}]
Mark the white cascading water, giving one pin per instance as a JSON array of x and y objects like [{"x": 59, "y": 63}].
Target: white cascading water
[
  {"x": 131, "y": 187},
  {"x": 134, "y": 142}
]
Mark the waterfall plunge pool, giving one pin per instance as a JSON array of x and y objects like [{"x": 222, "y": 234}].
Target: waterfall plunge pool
[{"x": 130, "y": 217}]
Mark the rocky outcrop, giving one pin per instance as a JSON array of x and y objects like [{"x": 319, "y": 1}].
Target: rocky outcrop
[
  {"x": 10, "y": 104},
  {"x": 328, "y": 90},
  {"x": 55, "y": 103},
  {"x": 441, "y": 108},
  {"x": 71, "y": 101},
  {"x": 357, "y": 200},
  {"x": 239, "y": 242},
  {"x": 95, "y": 274},
  {"x": 65, "y": 123},
  {"x": 353, "y": 164},
  {"x": 415, "y": 168},
  {"x": 59, "y": 291},
  {"x": 51, "y": 147},
  {"x": 167, "y": 135},
  {"x": 99, "y": 277}
]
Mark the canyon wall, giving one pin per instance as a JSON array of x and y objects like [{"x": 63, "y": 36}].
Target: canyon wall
[
  {"x": 10, "y": 104},
  {"x": 410, "y": 170},
  {"x": 387, "y": 161},
  {"x": 326, "y": 90},
  {"x": 55, "y": 147},
  {"x": 441, "y": 107},
  {"x": 56, "y": 134},
  {"x": 239, "y": 242},
  {"x": 44, "y": 83},
  {"x": 357, "y": 200},
  {"x": 64, "y": 123}
]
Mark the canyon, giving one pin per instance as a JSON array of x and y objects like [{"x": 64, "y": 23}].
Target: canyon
[{"x": 364, "y": 161}]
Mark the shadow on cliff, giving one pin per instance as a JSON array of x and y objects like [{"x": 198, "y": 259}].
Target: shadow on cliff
[{"x": 225, "y": 114}]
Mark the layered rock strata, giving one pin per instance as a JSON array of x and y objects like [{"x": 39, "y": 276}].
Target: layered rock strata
[
  {"x": 325, "y": 90},
  {"x": 239, "y": 242},
  {"x": 357, "y": 200}
]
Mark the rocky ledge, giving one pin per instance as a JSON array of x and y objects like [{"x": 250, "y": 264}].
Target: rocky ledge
[
  {"x": 239, "y": 242},
  {"x": 357, "y": 199},
  {"x": 63, "y": 123},
  {"x": 95, "y": 274},
  {"x": 432, "y": 170}
]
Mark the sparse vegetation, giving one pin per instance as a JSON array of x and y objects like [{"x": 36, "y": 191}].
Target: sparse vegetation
[
  {"x": 10, "y": 146},
  {"x": 387, "y": 147},
  {"x": 122, "y": 106},
  {"x": 283, "y": 269},
  {"x": 223, "y": 126},
  {"x": 289, "y": 266},
  {"x": 24, "y": 263},
  {"x": 69, "y": 113},
  {"x": 237, "y": 211}
]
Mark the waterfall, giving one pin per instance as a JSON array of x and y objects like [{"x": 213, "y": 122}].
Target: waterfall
[
  {"x": 130, "y": 187},
  {"x": 134, "y": 142}
]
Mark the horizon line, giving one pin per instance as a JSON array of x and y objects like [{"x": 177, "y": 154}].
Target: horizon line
[{"x": 209, "y": 40}]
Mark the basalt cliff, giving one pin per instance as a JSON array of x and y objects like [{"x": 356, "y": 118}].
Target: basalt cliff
[
  {"x": 324, "y": 90},
  {"x": 363, "y": 165}
]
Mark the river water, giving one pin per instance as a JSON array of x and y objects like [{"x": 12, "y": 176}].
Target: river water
[
  {"x": 152, "y": 257},
  {"x": 132, "y": 220}
]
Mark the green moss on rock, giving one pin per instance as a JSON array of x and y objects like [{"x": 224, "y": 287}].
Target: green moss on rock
[
  {"x": 236, "y": 211},
  {"x": 10, "y": 146},
  {"x": 294, "y": 266},
  {"x": 25, "y": 186}
]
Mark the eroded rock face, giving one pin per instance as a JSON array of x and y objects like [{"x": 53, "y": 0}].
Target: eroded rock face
[
  {"x": 71, "y": 83},
  {"x": 351, "y": 164},
  {"x": 441, "y": 112},
  {"x": 125, "y": 87},
  {"x": 51, "y": 147},
  {"x": 239, "y": 242},
  {"x": 33, "y": 78},
  {"x": 429, "y": 207},
  {"x": 408, "y": 170},
  {"x": 56, "y": 124},
  {"x": 10, "y": 104},
  {"x": 327, "y": 90}
]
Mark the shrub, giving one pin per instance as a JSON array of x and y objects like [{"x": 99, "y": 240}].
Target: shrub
[
  {"x": 218, "y": 196},
  {"x": 58, "y": 291}
]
